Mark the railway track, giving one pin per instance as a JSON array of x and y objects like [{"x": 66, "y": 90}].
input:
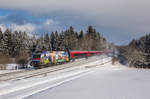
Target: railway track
[{"x": 32, "y": 73}]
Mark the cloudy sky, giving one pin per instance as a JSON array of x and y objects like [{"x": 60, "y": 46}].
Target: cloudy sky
[{"x": 119, "y": 21}]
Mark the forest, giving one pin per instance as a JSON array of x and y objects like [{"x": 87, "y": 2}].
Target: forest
[
  {"x": 137, "y": 52},
  {"x": 19, "y": 44}
]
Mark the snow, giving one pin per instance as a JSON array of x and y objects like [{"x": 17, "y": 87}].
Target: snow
[
  {"x": 8, "y": 71},
  {"x": 16, "y": 88},
  {"x": 88, "y": 81},
  {"x": 112, "y": 82},
  {"x": 10, "y": 68}
]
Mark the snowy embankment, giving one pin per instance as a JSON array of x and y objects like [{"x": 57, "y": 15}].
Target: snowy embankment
[{"x": 26, "y": 87}]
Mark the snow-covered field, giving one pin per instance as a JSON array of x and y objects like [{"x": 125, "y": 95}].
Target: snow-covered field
[
  {"x": 109, "y": 82},
  {"x": 89, "y": 81}
]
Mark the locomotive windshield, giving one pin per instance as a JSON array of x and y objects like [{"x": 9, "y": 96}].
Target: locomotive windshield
[{"x": 36, "y": 56}]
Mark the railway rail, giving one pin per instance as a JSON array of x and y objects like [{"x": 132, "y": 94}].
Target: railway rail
[{"x": 32, "y": 73}]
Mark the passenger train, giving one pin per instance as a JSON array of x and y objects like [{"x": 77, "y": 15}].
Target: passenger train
[{"x": 48, "y": 58}]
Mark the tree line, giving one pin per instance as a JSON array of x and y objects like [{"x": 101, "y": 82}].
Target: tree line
[
  {"x": 138, "y": 52},
  {"x": 17, "y": 43}
]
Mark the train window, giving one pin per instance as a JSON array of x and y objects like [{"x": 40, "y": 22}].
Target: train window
[
  {"x": 36, "y": 56},
  {"x": 83, "y": 54}
]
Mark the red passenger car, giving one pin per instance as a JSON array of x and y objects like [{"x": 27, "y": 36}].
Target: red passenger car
[{"x": 79, "y": 54}]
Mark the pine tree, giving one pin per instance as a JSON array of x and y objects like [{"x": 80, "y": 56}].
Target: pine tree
[
  {"x": 81, "y": 34},
  {"x": 56, "y": 40},
  {"x": 7, "y": 42},
  {"x": 33, "y": 44},
  {"x": 25, "y": 40},
  {"x": 1, "y": 34},
  {"x": 147, "y": 51},
  {"x": 17, "y": 40},
  {"x": 92, "y": 39},
  {"x": 14, "y": 51},
  {"x": 61, "y": 41},
  {"x": 1, "y": 41},
  {"x": 71, "y": 38},
  {"x": 40, "y": 42},
  {"x": 47, "y": 43},
  {"x": 53, "y": 41}
]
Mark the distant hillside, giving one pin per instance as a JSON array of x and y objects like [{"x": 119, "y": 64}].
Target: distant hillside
[{"x": 137, "y": 52}]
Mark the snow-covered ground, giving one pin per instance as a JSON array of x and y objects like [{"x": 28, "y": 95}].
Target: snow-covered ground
[
  {"x": 25, "y": 87},
  {"x": 89, "y": 81},
  {"x": 109, "y": 82},
  {"x": 10, "y": 68},
  {"x": 9, "y": 71}
]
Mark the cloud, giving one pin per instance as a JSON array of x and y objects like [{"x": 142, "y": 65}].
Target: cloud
[
  {"x": 29, "y": 28},
  {"x": 26, "y": 27},
  {"x": 49, "y": 22},
  {"x": 130, "y": 17},
  {"x": 85, "y": 6},
  {"x": 3, "y": 27},
  {"x": 127, "y": 15},
  {"x": 48, "y": 25}
]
